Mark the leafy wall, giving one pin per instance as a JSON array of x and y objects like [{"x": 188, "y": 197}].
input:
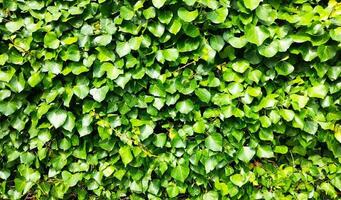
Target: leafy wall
[{"x": 160, "y": 99}]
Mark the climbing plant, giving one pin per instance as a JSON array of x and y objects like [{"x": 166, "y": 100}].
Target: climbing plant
[{"x": 162, "y": 99}]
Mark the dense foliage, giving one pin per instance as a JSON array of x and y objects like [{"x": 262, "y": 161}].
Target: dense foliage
[{"x": 159, "y": 99}]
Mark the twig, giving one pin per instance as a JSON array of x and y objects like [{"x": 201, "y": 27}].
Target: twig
[{"x": 190, "y": 63}]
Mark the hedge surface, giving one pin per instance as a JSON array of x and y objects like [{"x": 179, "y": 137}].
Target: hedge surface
[{"x": 161, "y": 99}]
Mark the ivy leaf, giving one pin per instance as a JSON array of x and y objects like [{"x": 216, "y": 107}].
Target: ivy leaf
[
  {"x": 122, "y": 48},
  {"x": 185, "y": 106},
  {"x": 157, "y": 29},
  {"x": 203, "y": 94},
  {"x": 246, "y": 154},
  {"x": 218, "y": 16},
  {"x": 251, "y": 4},
  {"x": 13, "y": 26},
  {"x": 158, "y": 3},
  {"x": 126, "y": 13},
  {"x": 214, "y": 142},
  {"x": 187, "y": 16},
  {"x": 126, "y": 155},
  {"x": 57, "y": 117},
  {"x": 256, "y": 34},
  {"x": 326, "y": 52},
  {"x": 284, "y": 68},
  {"x": 170, "y": 54},
  {"x": 51, "y": 40},
  {"x": 99, "y": 94},
  {"x": 180, "y": 172},
  {"x": 318, "y": 91},
  {"x": 238, "y": 179}
]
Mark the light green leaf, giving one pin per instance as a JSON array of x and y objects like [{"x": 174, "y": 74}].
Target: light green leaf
[
  {"x": 203, "y": 94},
  {"x": 326, "y": 52},
  {"x": 158, "y": 3},
  {"x": 246, "y": 154},
  {"x": 13, "y": 26},
  {"x": 102, "y": 40},
  {"x": 157, "y": 29},
  {"x": 57, "y": 117},
  {"x": 170, "y": 54},
  {"x": 185, "y": 106},
  {"x": 218, "y": 16},
  {"x": 175, "y": 26},
  {"x": 217, "y": 42},
  {"x": 240, "y": 66},
  {"x": 337, "y": 132},
  {"x": 284, "y": 68},
  {"x": 51, "y": 40},
  {"x": 265, "y": 151},
  {"x": 99, "y": 94},
  {"x": 214, "y": 142},
  {"x": 256, "y": 34},
  {"x": 318, "y": 91},
  {"x": 288, "y": 115},
  {"x": 126, "y": 155},
  {"x": 211, "y": 195},
  {"x": 180, "y": 172},
  {"x": 238, "y": 179},
  {"x": 251, "y": 4},
  {"x": 281, "y": 149},
  {"x": 126, "y": 13},
  {"x": 187, "y": 16},
  {"x": 122, "y": 48}
]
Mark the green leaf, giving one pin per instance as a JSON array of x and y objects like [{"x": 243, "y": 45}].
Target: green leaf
[
  {"x": 217, "y": 42},
  {"x": 318, "y": 91},
  {"x": 256, "y": 34},
  {"x": 238, "y": 179},
  {"x": 284, "y": 68},
  {"x": 266, "y": 14},
  {"x": 103, "y": 40},
  {"x": 122, "y": 48},
  {"x": 268, "y": 50},
  {"x": 265, "y": 151},
  {"x": 185, "y": 106},
  {"x": 51, "y": 40},
  {"x": 126, "y": 155},
  {"x": 337, "y": 132},
  {"x": 3, "y": 58},
  {"x": 203, "y": 94},
  {"x": 157, "y": 29},
  {"x": 99, "y": 94},
  {"x": 57, "y": 117},
  {"x": 218, "y": 16},
  {"x": 126, "y": 13},
  {"x": 211, "y": 195},
  {"x": 326, "y": 52},
  {"x": 187, "y": 16},
  {"x": 281, "y": 149},
  {"x": 240, "y": 66},
  {"x": 81, "y": 90},
  {"x": 53, "y": 67},
  {"x": 251, "y": 4},
  {"x": 70, "y": 122},
  {"x": 180, "y": 172},
  {"x": 158, "y": 3},
  {"x": 170, "y": 54},
  {"x": 199, "y": 126},
  {"x": 214, "y": 142},
  {"x": 35, "y": 79},
  {"x": 246, "y": 154},
  {"x": 288, "y": 115},
  {"x": 175, "y": 26},
  {"x": 160, "y": 140},
  {"x": 13, "y": 26}
]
